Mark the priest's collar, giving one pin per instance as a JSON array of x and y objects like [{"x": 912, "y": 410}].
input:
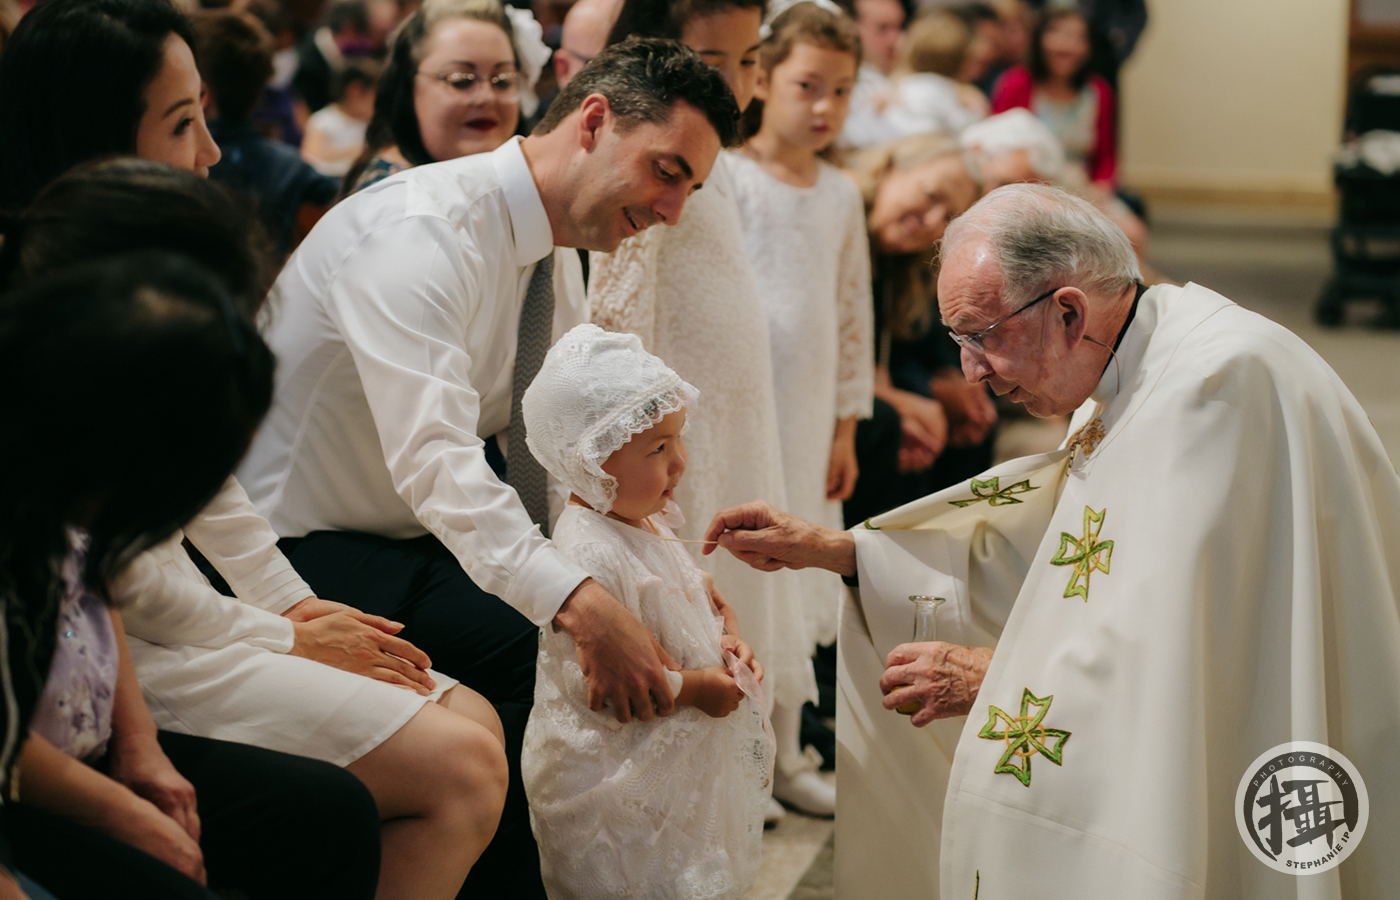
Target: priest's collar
[{"x": 1112, "y": 376}]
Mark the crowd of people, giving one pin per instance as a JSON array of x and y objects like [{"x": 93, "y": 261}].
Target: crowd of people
[{"x": 390, "y": 594}]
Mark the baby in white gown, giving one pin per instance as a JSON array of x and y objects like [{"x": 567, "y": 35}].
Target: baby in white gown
[{"x": 673, "y": 807}]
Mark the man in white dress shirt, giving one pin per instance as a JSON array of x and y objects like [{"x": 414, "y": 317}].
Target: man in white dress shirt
[
  {"x": 1206, "y": 573},
  {"x": 396, "y": 326}
]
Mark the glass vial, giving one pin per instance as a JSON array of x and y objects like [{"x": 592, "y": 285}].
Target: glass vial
[{"x": 925, "y": 630}]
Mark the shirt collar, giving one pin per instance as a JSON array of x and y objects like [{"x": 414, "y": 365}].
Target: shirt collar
[{"x": 534, "y": 239}]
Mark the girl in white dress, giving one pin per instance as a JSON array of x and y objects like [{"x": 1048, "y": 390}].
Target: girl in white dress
[
  {"x": 688, "y": 292},
  {"x": 667, "y": 808},
  {"x": 804, "y": 231}
]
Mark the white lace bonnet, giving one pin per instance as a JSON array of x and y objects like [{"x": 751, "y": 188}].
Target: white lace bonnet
[{"x": 594, "y": 391}]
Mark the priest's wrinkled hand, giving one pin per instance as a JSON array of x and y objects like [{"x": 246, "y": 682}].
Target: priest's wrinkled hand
[
  {"x": 944, "y": 678},
  {"x": 769, "y": 539}
]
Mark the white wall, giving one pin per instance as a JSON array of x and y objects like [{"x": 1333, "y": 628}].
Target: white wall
[{"x": 1235, "y": 95}]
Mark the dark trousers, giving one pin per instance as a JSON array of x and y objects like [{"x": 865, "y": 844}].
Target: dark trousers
[
  {"x": 272, "y": 826},
  {"x": 467, "y": 633}
]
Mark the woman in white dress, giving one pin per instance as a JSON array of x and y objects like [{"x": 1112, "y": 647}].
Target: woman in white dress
[
  {"x": 233, "y": 669},
  {"x": 670, "y": 809},
  {"x": 689, "y": 293}
]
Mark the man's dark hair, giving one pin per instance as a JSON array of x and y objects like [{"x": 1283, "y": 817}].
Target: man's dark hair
[
  {"x": 73, "y": 80},
  {"x": 643, "y": 80},
  {"x": 119, "y": 206},
  {"x": 235, "y": 60},
  {"x": 352, "y": 14},
  {"x": 668, "y": 18}
]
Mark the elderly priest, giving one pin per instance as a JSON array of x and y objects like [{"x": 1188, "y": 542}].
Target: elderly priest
[{"x": 1208, "y": 569}]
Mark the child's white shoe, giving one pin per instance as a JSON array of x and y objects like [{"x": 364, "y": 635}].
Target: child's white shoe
[
  {"x": 805, "y": 792},
  {"x": 773, "y": 813}
]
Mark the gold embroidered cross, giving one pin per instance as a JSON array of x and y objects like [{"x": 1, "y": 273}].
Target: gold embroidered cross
[
  {"x": 1025, "y": 736},
  {"x": 995, "y": 495},
  {"x": 1088, "y": 553},
  {"x": 1089, "y": 436}
]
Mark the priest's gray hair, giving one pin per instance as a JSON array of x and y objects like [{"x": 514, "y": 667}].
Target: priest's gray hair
[{"x": 1045, "y": 238}]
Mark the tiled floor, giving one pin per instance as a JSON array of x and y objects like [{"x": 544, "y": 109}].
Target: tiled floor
[{"x": 1275, "y": 263}]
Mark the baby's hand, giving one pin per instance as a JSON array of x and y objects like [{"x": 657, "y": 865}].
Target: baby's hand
[{"x": 716, "y": 692}]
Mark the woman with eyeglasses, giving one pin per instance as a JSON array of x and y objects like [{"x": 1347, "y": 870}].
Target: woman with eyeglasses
[{"x": 452, "y": 88}]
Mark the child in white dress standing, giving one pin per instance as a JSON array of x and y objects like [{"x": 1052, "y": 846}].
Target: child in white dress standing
[
  {"x": 667, "y": 808},
  {"x": 804, "y": 231}
]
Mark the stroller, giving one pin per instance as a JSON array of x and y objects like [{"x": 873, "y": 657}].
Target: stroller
[{"x": 1366, "y": 239}]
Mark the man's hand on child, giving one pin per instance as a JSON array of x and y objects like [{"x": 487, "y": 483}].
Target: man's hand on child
[{"x": 622, "y": 661}]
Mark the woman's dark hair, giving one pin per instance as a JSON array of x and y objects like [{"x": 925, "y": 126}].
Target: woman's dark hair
[
  {"x": 72, "y": 86},
  {"x": 118, "y": 206},
  {"x": 1039, "y": 70},
  {"x": 668, "y": 18},
  {"x": 142, "y": 386},
  {"x": 135, "y": 389},
  {"x": 643, "y": 80},
  {"x": 395, "y": 119}
]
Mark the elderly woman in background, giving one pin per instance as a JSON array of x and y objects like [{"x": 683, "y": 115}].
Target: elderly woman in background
[
  {"x": 452, "y": 88},
  {"x": 913, "y": 188}
]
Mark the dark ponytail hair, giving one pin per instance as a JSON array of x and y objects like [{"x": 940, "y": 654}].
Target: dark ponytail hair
[{"x": 72, "y": 86}]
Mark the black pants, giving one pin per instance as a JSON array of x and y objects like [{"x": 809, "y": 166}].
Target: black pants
[
  {"x": 272, "y": 826},
  {"x": 467, "y": 633}
]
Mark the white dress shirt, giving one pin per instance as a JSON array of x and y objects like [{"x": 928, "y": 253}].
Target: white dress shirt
[{"x": 394, "y": 326}]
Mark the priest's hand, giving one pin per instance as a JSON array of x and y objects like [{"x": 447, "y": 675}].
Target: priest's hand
[
  {"x": 623, "y": 663},
  {"x": 944, "y": 678},
  {"x": 769, "y": 539}
]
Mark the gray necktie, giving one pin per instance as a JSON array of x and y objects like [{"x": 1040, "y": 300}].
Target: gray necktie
[{"x": 523, "y": 471}]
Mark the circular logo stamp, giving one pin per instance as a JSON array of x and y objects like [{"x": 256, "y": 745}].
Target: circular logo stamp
[{"x": 1302, "y": 808}]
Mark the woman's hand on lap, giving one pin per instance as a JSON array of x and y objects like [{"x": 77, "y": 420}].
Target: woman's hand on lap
[
  {"x": 141, "y": 765},
  {"x": 357, "y": 642},
  {"x": 142, "y": 825}
]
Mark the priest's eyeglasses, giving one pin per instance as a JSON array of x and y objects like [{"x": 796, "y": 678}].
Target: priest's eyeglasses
[
  {"x": 973, "y": 341},
  {"x": 504, "y": 86}
]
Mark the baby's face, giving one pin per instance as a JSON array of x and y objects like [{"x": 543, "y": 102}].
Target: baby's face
[{"x": 648, "y": 468}]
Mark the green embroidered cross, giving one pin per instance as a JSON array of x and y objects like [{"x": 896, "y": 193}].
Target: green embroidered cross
[
  {"x": 1025, "y": 736},
  {"x": 1089, "y": 553},
  {"x": 995, "y": 495}
]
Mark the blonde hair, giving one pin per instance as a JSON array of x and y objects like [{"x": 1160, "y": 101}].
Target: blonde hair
[
  {"x": 936, "y": 43},
  {"x": 910, "y": 279}
]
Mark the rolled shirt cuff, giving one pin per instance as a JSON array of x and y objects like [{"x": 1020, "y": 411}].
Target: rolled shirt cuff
[{"x": 542, "y": 586}]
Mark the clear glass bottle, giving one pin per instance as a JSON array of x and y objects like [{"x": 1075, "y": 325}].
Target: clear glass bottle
[{"x": 925, "y": 629}]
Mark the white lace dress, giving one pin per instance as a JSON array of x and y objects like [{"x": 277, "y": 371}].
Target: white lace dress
[
  {"x": 688, "y": 293},
  {"x": 811, "y": 258},
  {"x": 670, "y": 809}
]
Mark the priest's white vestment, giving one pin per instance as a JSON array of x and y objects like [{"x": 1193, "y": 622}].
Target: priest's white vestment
[{"x": 1210, "y": 572}]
